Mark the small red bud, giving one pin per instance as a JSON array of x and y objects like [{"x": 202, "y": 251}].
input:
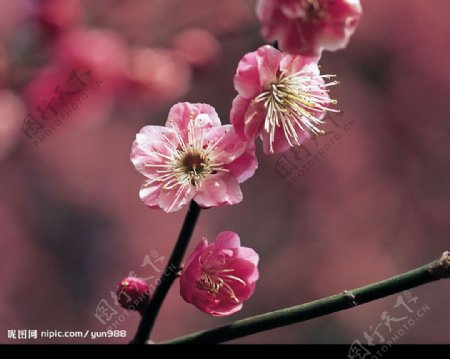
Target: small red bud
[{"x": 133, "y": 293}]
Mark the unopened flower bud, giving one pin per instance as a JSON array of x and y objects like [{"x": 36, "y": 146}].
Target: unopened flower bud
[{"x": 133, "y": 293}]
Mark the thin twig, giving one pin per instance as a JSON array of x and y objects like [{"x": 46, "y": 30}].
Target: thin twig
[
  {"x": 347, "y": 299},
  {"x": 168, "y": 276}
]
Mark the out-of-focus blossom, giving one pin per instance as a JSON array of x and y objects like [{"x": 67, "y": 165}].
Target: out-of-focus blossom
[
  {"x": 56, "y": 15},
  {"x": 309, "y": 26},
  {"x": 133, "y": 293},
  {"x": 219, "y": 277},
  {"x": 193, "y": 157},
  {"x": 282, "y": 97},
  {"x": 13, "y": 14},
  {"x": 198, "y": 47},
  {"x": 12, "y": 113},
  {"x": 158, "y": 75},
  {"x": 102, "y": 52},
  {"x": 68, "y": 95},
  {"x": 230, "y": 16}
]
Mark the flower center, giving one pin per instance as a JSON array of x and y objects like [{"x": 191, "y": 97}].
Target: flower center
[
  {"x": 217, "y": 282},
  {"x": 296, "y": 101},
  {"x": 192, "y": 166}
]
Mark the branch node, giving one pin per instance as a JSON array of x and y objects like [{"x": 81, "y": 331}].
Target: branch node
[
  {"x": 441, "y": 268},
  {"x": 351, "y": 296}
]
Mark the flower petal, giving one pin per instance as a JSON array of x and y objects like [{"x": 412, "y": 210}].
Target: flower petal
[
  {"x": 225, "y": 310},
  {"x": 227, "y": 240},
  {"x": 218, "y": 190},
  {"x": 149, "y": 194},
  {"x": 254, "y": 120},
  {"x": 182, "y": 113},
  {"x": 227, "y": 145},
  {"x": 172, "y": 200},
  {"x": 268, "y": 59},
  {"x": 152, "y": 146},
  {"x": 245, "y": 166},
  {"x": 239, "y": 108},
  {"x": 246, "y": 79},
  {"x": 247, "y": 118}
]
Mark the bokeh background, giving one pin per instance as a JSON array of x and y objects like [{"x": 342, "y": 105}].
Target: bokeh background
[{"x": 375, "y": 203}]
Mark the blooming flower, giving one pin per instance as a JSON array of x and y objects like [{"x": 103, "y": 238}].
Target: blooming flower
[
  {"x": 219, "y": 277},
  {"x": 192, "y": 158},
  {"x": 282, "y": 97},
  {"x": 308, "y": 26},
  {"x": 133, "y": 293}
]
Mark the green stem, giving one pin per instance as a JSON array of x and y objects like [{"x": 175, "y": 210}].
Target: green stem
[
  {"x": 347, "y": 299},
  {"x": 168, "y": 277}
]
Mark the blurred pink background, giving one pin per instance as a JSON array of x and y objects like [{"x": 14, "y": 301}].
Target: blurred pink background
[{"x": 376, "y": 204}]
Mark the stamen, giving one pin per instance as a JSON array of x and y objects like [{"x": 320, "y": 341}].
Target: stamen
[
  {"x": 189, "y": 163},
  {"x": 296, "y": 99},
  {"x": 214, "y": 282}
]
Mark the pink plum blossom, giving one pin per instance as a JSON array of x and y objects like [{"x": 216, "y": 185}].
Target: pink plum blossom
[
  {"x": 171, "y": 80},
  {"x": 219, "y": 277},
  {"x": 200, "y": 48},
  {"x": 281, "y": 97},
  {"x": 309, "y": 26},
  {"x": 104, "y": 53},
  {"x": 74, "y": 96},
  {"x": 193, "y": 157}
]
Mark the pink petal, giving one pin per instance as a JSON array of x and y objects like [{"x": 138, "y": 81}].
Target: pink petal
[
  {"x": 247, "y": 117},
  {"x": 149, "y": 194},
  {"x": 227, "y": 145},
  {"x": 246, "y": 79},
  {"x": 227, "y": 240},
  {"x": 248, "y": 254},
  {"x": 150, "y": 142},
  {"x": 218, "y": 190},
  {"x": 244, "y": 268},
  {"x": 174, "y": 199},
  {"x": 201, "y": 299},
  {"x": 345, "y": 9},
  {"x": 244, "y": 292},
  {"x": 225, "y": 310},
  {"x": 254, "y": 120},
  {"x": 245, "y": 166},
  {"x": 193, "y": 259},
  {"x": 268, "y": 59},
  {"x": 300, "y": 63},
  {"x": 192, "y": 271},
  {"x": 336, "y": 35},
  {"x": 239, "y": 108},
  {"x": 300, "y": 38},
  {"x": 182, "y": 113}
]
